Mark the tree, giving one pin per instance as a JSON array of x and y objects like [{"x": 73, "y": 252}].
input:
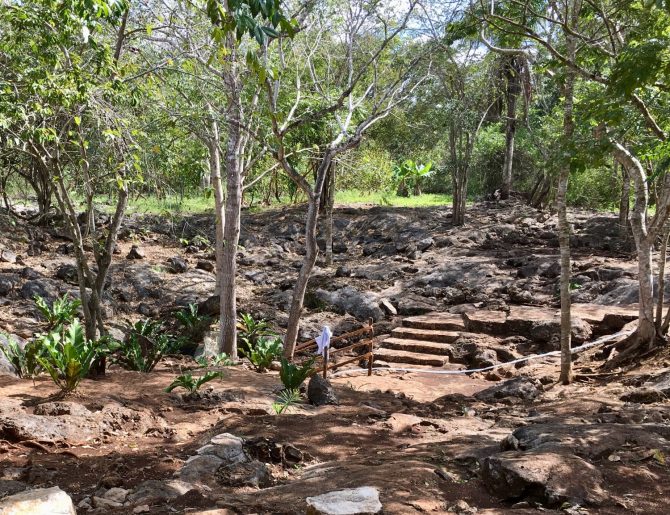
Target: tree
[
  {"x": 55, "y": 105},
  {"x": 344, "y": 100}
]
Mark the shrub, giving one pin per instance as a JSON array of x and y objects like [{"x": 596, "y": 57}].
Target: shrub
[
  {"x": 62, "y": 311},
  {"x": 292, "y": 376},
  {"x": 144, "y": 346},
  {"x": 192, "y": 384},
  {"x": 190, "y": 318},
  {"x": 251, "y": 331},
  {"x": 67, "y": 356},
  {"x": 265, "y": 351},
  {"x": 16, "y": 356}
]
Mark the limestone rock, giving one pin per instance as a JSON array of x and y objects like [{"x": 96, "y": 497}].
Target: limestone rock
[
  {"x": 200, "y": 468},
  {"x": 40, "y": 501},
  {"x": 154, "y": 491},
  {"x": 362, "y": 305},
  {"x": 227, "y": 447},
  {"x": 177, "y": 265},
  {"x": 546, "y": 477},
  {"x": 7, "y": 256},
  {"x": 518, "y": 388},
  {"x": 320, "y": 391},
  {"x": 364, "y": 499},
  {"x": 135, "y": 253},
  {"x": 644, "y": 395}
]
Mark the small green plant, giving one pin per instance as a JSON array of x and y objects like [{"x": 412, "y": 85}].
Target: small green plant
[
  {"x": 23, "y": 360},
  {"x": 219, "y": 360},
  {"x": 192, "y": 384},
  {"x": 286, "y": 400},
  {"x": 292, "y": 376},
  {"x": 144, "y": 346},
  {"x": 61, "y": 311},
  {"x": 67, "y": 356},
  {"x": 251, "y": 331},
  {"x": 190, "y": 318},
  {"x": 265, "y": 351}
]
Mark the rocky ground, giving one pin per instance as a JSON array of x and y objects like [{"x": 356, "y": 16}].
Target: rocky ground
[{"x": 510, "y": 441}]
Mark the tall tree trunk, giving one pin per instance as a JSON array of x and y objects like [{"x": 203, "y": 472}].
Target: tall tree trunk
[
  {"x": 212, "y": 141},
  {"x": 513, "y": 79},
  {"x": 661, "y": 280},
  {"x": 646, "y": 331},
  {"x": 561, "y": 201},
  {"x": 329, "y": 196},
  {"x": 231, "y": 231},
  {"x": 624, "y": 202},
  {"x": 311, "y": 253}
]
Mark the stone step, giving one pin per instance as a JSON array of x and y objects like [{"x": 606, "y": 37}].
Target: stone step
[
  {"x": 419, "y": 346},
  {"x": 436, "y": 321},
  {"x": 410, "y": 358},
  {"x": 428, "y": 335}
]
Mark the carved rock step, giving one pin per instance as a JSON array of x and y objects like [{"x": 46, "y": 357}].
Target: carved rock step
[
  {"x": 418, "y": 346},
  {"x": 410, "y": 358},
  {"x": 427, "y": 335},
  {"x": 436, "y": 321}
]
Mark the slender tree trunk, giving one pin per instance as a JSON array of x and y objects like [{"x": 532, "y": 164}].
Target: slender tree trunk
[
  {"x": 646, "y": 332},
  {"x": 311, "y": 253},
  {"x": 512, "y": 95},
  {"x": 233, "y": 203},
  {"x": 661, "y": 280},
  {"x": 212, "y": 141},
  {"x": 624, "y": 203},
  {"x": 563, "y": 224},
  {"x": 330, "y": 203}
]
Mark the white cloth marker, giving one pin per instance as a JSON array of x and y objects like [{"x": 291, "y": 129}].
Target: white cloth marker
[{"x": 323, "y": 341}]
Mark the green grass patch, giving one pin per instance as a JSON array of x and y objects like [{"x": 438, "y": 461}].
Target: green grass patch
[{"x": 426, "y": 200}]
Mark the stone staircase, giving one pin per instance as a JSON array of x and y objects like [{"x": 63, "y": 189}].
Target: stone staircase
[{"x": 421, "y": 341}]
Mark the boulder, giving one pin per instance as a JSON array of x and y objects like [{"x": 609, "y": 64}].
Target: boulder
[
  {"x": 205, "y": 265},
  {"x": 320, "y": 392},
  {"x": 7, "y": 284},
  {"x": 351, "y": 501},
  {"x": 177, "y": 265},
  {"x": 154, "y": 491},
  {"x": 595, "y": 441},
  {"x": 135, "y": 253},
  {"x": 229, "y": 448},
  {"x": 545, "y": 477},
  {"x": 512, "y": 390},
  {"x": 644, "y": 395},
  {"x": 200, "y": 469},
  {"x": 67, "y": 273},
  {"x": 362, "y": 305},
  {"x": 40, "y": 501},
  {"x": 7, "y": 256},
  {"x": 11, "y": 487},
  {"x": 40, "y": 287},
  {"x": 254, "y": 474}
]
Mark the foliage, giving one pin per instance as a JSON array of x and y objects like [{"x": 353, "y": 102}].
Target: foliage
[
  {"x": 409, "y": 175},
  {"x": 144, "y": 346},
  {"x": 263, "y": 353},
  {"x": 189, "y": 316},
  {"x": 193, "y": 384},
  {"x": 251, "y": 331},
  {"x": 62, "y": 310},
  {"x": 67, "y": 356},
  {"x": 292, "y": 376},
  {"x": 219, "y": 360},
  {"x": 22, "y": 359},
  {"x": 286, "y": 400}
]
